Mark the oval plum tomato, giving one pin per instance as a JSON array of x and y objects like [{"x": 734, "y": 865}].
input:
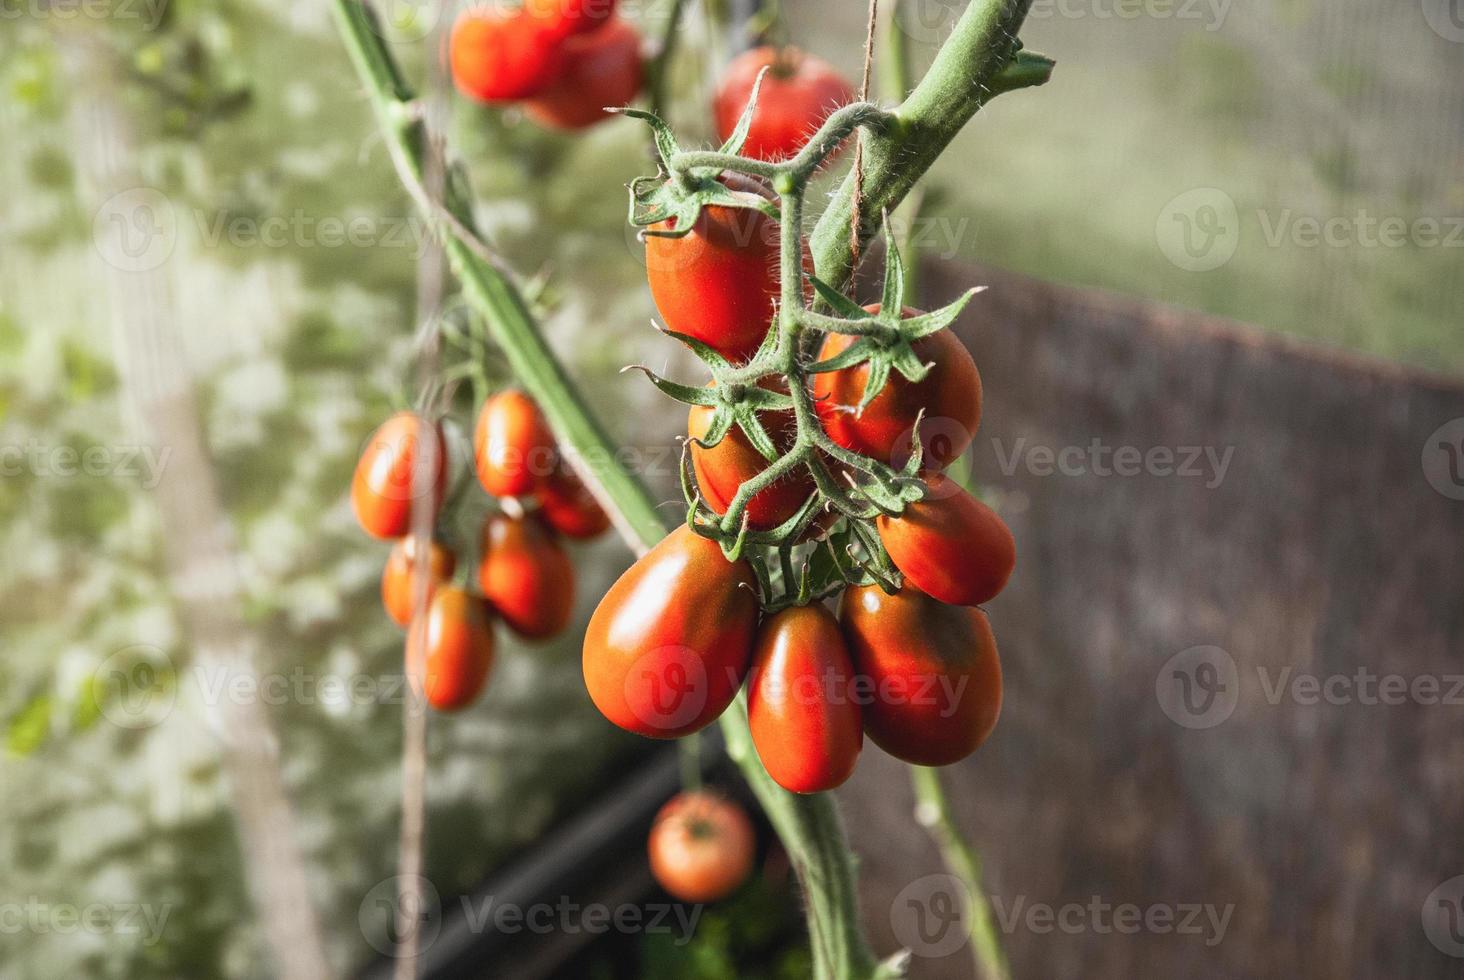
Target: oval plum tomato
[
  {"x": 950, "y": 394},
  {"x": 501, "y": 55},
  {"x": 569, "y": 507},
  {"x": 719, "y": 282},
  {"x": 600, "y": 69},
  {"x": 398, "y": 591},
  {"x": 701, "y": 847},
  {"x": 563, "y": 18},
  {"x": 668, "y": 647},
  {"x": 804, "y": 718},
  {"x": 933, "y": 672},
  {"x": 384, "y": 485},
  {"x": 722, "y": 469},
  {"x": 950, "y": 545},
  {"x": 451, "y": 654},
  {"x": 513, "y": 448},
  {"x": 797, "y": 95},
  {"x": 527, "y": 576}
]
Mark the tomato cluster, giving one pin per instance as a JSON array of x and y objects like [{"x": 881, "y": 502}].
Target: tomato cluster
[
  {"x": 525, "y": 577},
  {"x": 564, "y": 60}
]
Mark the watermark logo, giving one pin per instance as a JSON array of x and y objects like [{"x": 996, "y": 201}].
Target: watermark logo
[
  {"x": 1443, "y": 459},
  {"x": 136, "y": 687},
  {"x": 1198, "y": 687},
  {"x": 1443, "y": 917},
  {"x": 135, "y": 230},
  {"x": 668, "y": 688},
  {"x": 1446, "y": 17},
  {"x": 393, "y": 908},
  {"x": 931, "y": 916},
  {"x": 1199, "y": 230}
]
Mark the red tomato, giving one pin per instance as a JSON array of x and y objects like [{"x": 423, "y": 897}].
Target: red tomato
[
  {"x": 451, "y": 654},
  {"x": 384, "y": 485},
  {"x": 701, "y": 847},
  {"x": 513, "y": 448},
  {"x": 950, "y": 545},
  {"x": 719, "y": 283},
  {"x": 950, "y": 395},
  {"x": 721, "y": 470},
  {"x": 669, "y": 645},
  {"x": 502, "y": 55},
  {"x": 797, "y": 95},
  {"x": 398, "y": 590},
  {"x": 527, "y": 576},
  {"x": 569, "y": 507},
  {"x": 929, "y": 673},
  {"x": 563, "y": 18},
  {"x": 804, "y": 717},
  {"x": 600, "y": 69}
]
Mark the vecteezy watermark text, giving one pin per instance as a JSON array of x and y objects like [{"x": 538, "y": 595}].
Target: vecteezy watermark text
[
  {"x": 97, "y": 918},
  {"x": 1209, "y": 463},
  {"x": 145, "y": 464}
]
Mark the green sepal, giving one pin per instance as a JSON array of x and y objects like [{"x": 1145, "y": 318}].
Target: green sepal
[
  {"x": 837, "y": 301},
  {"x": 744, "y": 122},
  {"x": 686, "y": 394}
]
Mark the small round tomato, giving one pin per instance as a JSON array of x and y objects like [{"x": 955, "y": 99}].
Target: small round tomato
[
  {"x": 950, "y": 394},
  {"x": 804, "y": 717},
  {"x": 502, "y": 55},
  {"x": 701, "y": 847},
  {"x": 722, "y": 469},
  {"x": 385, "y": 483},
  {"x": 950, "y": 545},
  {"x": 563, "y": 18},
  {"x": 398, "y": 588},
  {"x": 513, "y": 448},
  {"x": 600, "y": 69},
  {"x": 527, "y": 576},
  {"x": 719, "y": 282},
  {"x": 451, "y": 654},
  {"x": 668, "y": 647},
  {"x": 932, "y": 670},
  {"x": 797, "y": 95},
  {"x": 569, "y": 507}
]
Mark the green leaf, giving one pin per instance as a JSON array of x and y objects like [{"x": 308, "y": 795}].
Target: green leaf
[{"x": 30, "y": 726}]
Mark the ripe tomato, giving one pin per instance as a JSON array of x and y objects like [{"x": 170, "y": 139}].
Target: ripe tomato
[
  {"x": 932, "y": 670},
  {"x": 701, "y": 847},
  {"x": 563, "y": 18},
  {"x": 600, "y": 69},
  {"x": 513, "y": 448},
  {"x": 527, "y": 576},
  {"x": 804, "y": 717},
  {"x": 719, "y": 283},
  {"x": 569, "y": 507},
  {"x": 669, "y": 645},
  {"x": 721, "y": 470},
  {"x": 502, "y": 55},
  {"x": 950, "y": 395},
  {"x": 797, "y": 95},
  {"x": 384, "y": 486},
  {"x": 398, "y": 591},
  {"x": 451, "y": 654},
  {"x": 950, "y": 545}
]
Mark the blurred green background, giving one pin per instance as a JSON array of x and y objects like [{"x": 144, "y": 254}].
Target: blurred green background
[{"x": 1174, "y": 156}]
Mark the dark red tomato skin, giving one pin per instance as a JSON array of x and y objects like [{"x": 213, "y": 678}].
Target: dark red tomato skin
[
  {"x": 383, "y": 487},
  {"x": 567, "y": 505},
  {"x": 797, "y": 95},
  {"x": 950, "y": 395},
  {"x": 930, "y": 670},
  {"x": 450, "y": 655},
  {"x": 670, "y": 643},
  {"x": 599, "y": 69},
  {"x": 398, "y": 592},
  {"x": 527, "y": 576},
  {"x": 722, "y": 469},
  {"x": 513, "y": 449},
  {"x": 502, "y": 56},
  {"x": 719, "y": 282},
  {"x": 564, "y": 18},
  {"x": 950, "y": 545},
  {"x": 701, "y": 847},
  {"x": 804, "y": 716}
]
